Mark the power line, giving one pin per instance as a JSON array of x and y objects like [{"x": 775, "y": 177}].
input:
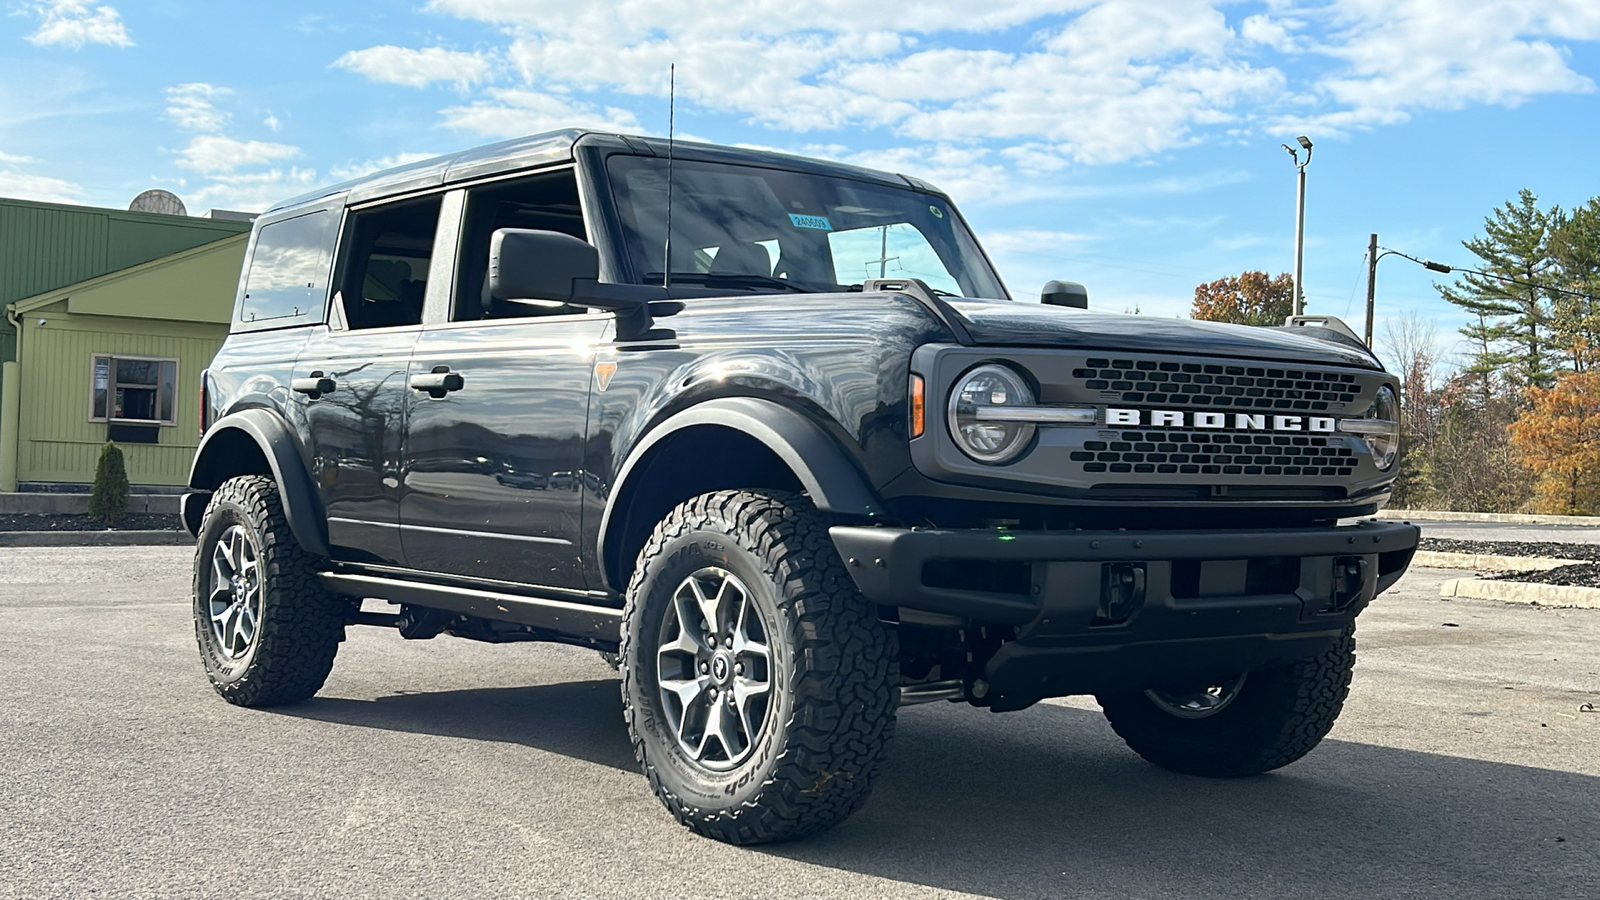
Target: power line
[{"x": 1433, "y": 266}]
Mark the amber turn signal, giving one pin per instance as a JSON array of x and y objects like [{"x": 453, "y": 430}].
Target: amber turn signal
[{"x": 919, "y": 407}]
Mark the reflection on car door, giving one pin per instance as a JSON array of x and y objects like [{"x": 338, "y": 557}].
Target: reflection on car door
[{"x": 493, "y": 457}]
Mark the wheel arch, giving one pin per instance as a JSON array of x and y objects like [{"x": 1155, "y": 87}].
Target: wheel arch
[
  {"x": 725, "y": 443},
  {"x": 256, "y": 442}
]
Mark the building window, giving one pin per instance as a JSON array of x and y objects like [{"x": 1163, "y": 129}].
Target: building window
[{"x": 136, "y": 389}]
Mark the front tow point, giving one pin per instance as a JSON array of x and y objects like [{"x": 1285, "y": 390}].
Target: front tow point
[
  {"x": 1349, "y": 580},
  {"x": 1122, "y": 589}
]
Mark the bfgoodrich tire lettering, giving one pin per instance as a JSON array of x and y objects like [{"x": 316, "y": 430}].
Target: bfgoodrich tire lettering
[
  {"x": 267, "y": 629},
  {"x": 829, "y": 711},
  {"x": 1277, "y": 716}
]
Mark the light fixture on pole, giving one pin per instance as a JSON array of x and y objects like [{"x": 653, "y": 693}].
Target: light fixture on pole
[{"x": 1300, "y": 222}]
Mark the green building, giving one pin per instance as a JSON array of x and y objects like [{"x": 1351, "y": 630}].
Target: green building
[{"x": 109, "y": 318}]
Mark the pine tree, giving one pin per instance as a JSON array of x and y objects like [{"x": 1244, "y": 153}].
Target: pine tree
[
  {"x": 109, "y": 498},
  {"x": 1510, "y": 301},
  {"x": 1575, "y": 319}
]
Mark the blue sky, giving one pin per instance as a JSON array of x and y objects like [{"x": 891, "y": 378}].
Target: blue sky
[{"x": 1133, "y": 146}]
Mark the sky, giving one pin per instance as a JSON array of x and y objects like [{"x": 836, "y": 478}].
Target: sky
[{"x": 1131, "y": 145}]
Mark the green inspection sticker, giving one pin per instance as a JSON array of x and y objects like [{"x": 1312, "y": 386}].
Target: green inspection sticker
[
  {"x": 815, "y": 223},
  {"x": 937, "y": 212}
]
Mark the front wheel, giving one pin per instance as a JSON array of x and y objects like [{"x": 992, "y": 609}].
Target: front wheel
[
  {"x": 1245, "y": 725},
  {"x": 757, "y": 682}
]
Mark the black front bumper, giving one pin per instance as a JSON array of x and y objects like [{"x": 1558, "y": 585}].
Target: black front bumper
[{"x": 1098, "y": 610}]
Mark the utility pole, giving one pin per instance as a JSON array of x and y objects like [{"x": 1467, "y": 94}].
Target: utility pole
[
  {"x": 1372, "y": 283},
  {"x": 1300, "y": 224}
]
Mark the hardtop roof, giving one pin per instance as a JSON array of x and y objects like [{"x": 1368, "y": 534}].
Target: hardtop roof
[{"x": 558, "y": 146}]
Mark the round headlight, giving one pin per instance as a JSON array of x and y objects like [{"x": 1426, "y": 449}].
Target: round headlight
[
  {"x": 978, "y": 421},
  {"x": 1384, "y": 445}
]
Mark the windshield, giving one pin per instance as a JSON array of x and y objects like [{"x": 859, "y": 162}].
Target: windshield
[{"x": 774, "y": 230}]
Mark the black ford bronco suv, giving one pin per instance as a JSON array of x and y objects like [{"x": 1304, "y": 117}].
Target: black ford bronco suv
[{"x": 772, "y": 433}]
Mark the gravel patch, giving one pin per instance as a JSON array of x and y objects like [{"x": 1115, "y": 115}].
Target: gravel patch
[
  {"x": 1579, "y": 575},
  {"x": 65, "y": 522},
  {"x": 1589, "y": 552}
]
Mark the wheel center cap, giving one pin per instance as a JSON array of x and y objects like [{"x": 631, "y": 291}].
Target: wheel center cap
[{"x": 720, "y": 668}]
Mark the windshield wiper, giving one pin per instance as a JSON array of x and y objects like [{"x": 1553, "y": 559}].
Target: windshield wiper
[{"x": 736, "y": 279}]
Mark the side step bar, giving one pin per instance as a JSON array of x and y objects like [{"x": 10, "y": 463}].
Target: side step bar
[{"x": 578, "y": 620}]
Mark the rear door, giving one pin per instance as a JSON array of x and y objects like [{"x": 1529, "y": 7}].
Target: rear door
[
  {"x": 356, "y": 428},
  {"x": 498, "y": 398}
]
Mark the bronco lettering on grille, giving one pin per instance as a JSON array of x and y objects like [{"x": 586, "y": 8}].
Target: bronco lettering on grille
[{"x": 1169, "y": 418}]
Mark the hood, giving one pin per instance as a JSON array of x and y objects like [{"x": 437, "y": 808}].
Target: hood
[{"x": 1036, "y": 325}]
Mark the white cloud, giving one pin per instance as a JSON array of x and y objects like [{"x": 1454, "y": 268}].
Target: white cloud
[
  {"x": 355, "y": 170},
  {"x": 216, "y": 155},
  {"x": 191, "y": 106},
  {"x": 36, "y": 187},
  {"x": 9, "y": 159},
  {"x": 416, "y": 68},
  {"x": 73, "y": 23},
  {"x": 510, "y": 112},
  {"x": 1092, "y": 82},
  {"x": 255, "y": 191}
]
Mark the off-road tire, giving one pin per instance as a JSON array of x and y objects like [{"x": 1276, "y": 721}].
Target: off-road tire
[
  {"x": 300, "y": 624},
  {"x": 834, "y": 670},
  {"x": 1279, "y": 715}
]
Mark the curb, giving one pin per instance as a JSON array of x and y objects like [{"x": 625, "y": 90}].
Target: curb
[
  {"x": 1431, "y": 515},
  {"x": 93, "y": 538},
  {"x": 1487, "y": 562},
  {"x": 1559, "y": 595}
]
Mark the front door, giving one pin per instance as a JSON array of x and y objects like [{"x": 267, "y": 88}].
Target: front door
[{"x": 499, "y": 394}]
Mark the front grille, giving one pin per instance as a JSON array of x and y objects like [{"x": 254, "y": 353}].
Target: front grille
[
  {"x": 1211, "y": 384},
  {"x": 1191, "y": 453}
]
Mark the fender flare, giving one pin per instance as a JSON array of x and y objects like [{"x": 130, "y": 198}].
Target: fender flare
[
  {"x": 301, "y": 505},
  {"x": 834, "y": 483}
]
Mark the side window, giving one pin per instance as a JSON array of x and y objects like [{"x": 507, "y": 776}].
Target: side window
[
  {"x": 547, "y": 202},
  {"x": 288, "y": 280},
  {"x": 386, "y": 270}
]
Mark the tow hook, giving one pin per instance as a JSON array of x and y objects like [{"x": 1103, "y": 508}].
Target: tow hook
[
  {"x": 1121, "y": 592},
  {"x": 1349, "y": 580}
]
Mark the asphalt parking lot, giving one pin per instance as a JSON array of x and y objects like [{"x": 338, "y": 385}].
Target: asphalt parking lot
[{"x": 1462, "y": 768}]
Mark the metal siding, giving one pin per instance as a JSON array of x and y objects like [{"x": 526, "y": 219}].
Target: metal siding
[
  {"x": 59, "y": 442},
  {"x": 45, "y": 246}
]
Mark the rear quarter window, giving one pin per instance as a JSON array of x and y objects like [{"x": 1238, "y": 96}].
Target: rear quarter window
[{"x": 287, "y": 282}]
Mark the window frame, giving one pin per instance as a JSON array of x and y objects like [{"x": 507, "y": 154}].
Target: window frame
[{"x": 112, "y": 385}]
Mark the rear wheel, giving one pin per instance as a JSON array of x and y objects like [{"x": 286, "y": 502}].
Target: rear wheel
[
  {"x": 758, "y": 684},
  {"x": 267, "y": 628},
  {"x": 1243, "y": 725}
]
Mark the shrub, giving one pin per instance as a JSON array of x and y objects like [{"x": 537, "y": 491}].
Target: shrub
[{"x": 109, "y": 499}]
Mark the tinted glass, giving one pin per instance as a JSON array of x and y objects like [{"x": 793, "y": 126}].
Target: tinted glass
[
  {"x": 288, "y": 282},
  {"x": 773, "y": 229},
  {"x": 388, "y": 264}
]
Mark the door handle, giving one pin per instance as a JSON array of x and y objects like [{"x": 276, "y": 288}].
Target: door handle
[
  {"x": 314, "y": 386},
  {"x": 437, "y": 383}
]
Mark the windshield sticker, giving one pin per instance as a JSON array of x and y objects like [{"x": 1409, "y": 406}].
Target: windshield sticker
[
  {"x": 937, "y": 212},
  {"x": 816, "y": 223}
]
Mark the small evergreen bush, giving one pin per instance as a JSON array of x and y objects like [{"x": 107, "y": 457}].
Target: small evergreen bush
[{"x": 109, "y": 499}]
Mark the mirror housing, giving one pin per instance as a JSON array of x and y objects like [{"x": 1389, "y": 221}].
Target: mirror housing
[
  {"x": 1065, "y": 293},
  {"x": 539, "y": 265},
  {"x": 548, "y": 268}
]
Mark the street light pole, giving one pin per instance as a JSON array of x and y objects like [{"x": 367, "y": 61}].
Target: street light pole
[
  {"x": 1372, "y": 283},
  {"x": 1300, "y": 224}
]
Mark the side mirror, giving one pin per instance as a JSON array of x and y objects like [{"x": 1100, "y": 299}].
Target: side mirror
[
  {"x": 539, "y": 265},
  {"x": 1065, "y": 293}
]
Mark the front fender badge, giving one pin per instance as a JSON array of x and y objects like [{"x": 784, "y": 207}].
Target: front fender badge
[{"x": 603, "y": 372}]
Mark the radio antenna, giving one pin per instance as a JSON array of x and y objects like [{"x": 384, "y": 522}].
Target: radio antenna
[{"x": 672, "y": 123}]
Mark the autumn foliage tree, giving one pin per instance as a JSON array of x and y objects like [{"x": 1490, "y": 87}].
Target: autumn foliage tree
[
  {"x": 1558, "y": 437},
  {"x": 1250, "y": 298}
]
